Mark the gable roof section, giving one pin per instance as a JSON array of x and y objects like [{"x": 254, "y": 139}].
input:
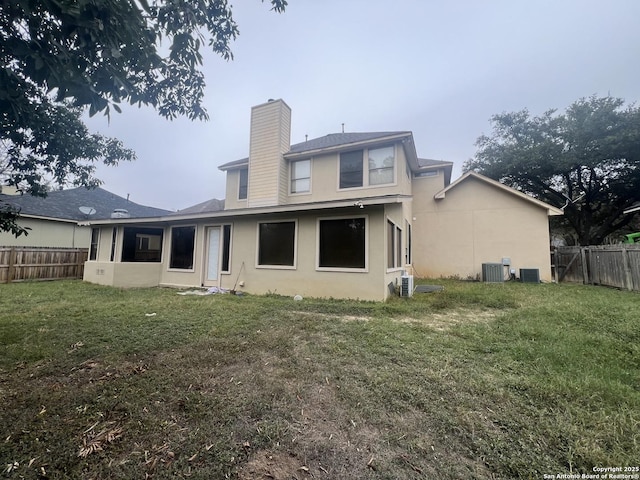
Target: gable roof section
[
  {"x": 65, "y": 204},
  {"x": 551, "y": 210}
]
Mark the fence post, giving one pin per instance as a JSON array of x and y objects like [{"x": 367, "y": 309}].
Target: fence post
[
  {"x": 585, "y": 267},
  {"x": 12, "y": 262},
  {"x": 628, "y": 279}
]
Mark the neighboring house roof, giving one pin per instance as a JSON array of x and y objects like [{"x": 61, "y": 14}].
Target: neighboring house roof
[
  {"x": 328, "y": 142},
  {"x": 65, "y": 204},
  {"x": 213, "y": 205},
  {"x": 551, "y": 210}
]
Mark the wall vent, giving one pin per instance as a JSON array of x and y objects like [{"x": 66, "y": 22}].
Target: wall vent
[
  {"x": 493, "y": 272},
  {"x": 529, "y": 275}
]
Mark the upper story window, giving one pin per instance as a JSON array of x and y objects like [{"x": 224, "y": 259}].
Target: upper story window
[
  {"x": 301, "y": 176},
  {"x": 351, "y": 169},
  {"x": 380, "y": 167},
  {"x": 243, "y": 183}
]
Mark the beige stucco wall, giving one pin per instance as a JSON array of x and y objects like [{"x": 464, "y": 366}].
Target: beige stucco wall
[
  {"x": 125, "y": 275},
  {"x": 304, "y": 279},
  {"x": 48, "y": 233},
  {"x": 476, "y": 223},
  {"x": 325, "y": 174}
]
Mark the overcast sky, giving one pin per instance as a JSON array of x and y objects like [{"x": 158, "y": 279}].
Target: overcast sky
[{"x": 437, "y": 68}]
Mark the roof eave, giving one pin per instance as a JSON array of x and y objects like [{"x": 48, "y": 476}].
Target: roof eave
[
  {"x": 551, "y": 210},
  {"x": 241, "y": 212}
]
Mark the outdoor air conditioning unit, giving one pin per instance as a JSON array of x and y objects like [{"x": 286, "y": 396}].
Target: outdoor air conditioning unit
[
  {"x": 529, "y": 275},
  {"x": 406, "y": 286},
  {"x": 493, "y": 272}
]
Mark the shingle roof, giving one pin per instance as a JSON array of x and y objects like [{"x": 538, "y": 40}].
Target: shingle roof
[
  {"x": 427, "y": 162},
  {"x": 337, "y": 139},
  {"x": 65, "y": 204},
  {"x": 328, "y": 141},
  {"x": 213, "y": 205}
]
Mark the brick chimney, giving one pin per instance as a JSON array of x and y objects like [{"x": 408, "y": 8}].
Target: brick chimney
[{"x": 270, "y": 138}]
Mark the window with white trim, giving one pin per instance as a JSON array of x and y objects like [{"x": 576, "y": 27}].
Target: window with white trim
[
  {"x": 243, "y": 183},
  {"x": 139, "y": 244},
  {"x": 183, "y": 241},
  {"x": 95, "y": 239},
  {"x": 226, "y": 249},
  {"x": 394, "y": 245},
  {"x": 277, "y": 244},
  {"x": 380, "y": 167},
  {"x": 301, "y": 176},
  {"x": 342, "y": 243}
]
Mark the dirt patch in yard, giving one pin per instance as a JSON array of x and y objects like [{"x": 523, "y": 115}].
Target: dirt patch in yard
[{"x": 445, "y": 321}]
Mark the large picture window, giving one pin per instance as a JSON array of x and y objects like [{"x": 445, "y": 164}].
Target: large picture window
[
  {"x": 276, "y": 244},
  {"x": 342, "y": 243},
  {"x": 301, "y": 176},
  {"x": 243, "y": 183},
  {"x": 140, "y": 244},
  {"x": 182, "y": 245}
]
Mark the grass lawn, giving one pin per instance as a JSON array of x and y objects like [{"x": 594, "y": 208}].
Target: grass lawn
[{"x": 477, "y": 381}]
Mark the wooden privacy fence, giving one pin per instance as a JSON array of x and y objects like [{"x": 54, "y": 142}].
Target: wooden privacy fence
[
  {"x": 610, "y": 265},
  {"x": 18, "y": 264}
]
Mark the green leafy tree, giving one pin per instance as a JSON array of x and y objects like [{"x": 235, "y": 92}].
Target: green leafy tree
[
  {"x": 58, "y": 57},
  {"x": 585, "y": 161}
]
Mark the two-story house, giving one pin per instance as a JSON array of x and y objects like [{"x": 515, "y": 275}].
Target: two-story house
[{"x": 343, "y": 215}]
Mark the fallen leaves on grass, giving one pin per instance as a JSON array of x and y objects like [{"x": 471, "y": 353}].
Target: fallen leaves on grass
[{"x": 94, "y": 442}]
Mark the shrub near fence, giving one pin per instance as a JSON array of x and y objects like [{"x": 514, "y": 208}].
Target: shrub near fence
[
  {"x": 40, "y": 263},
  {"x": 609, "y": 265}
]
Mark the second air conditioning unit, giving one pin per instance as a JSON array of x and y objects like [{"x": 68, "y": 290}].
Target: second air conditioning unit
[{"x": 406, "y": 286}]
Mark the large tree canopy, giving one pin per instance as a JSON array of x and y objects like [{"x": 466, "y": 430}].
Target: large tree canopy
[
  {"x": 585, "y": 160},
  {"x": 58, "y": 57}
]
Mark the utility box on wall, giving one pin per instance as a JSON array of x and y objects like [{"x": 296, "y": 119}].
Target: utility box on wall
[{"x": 492, "y": 272}]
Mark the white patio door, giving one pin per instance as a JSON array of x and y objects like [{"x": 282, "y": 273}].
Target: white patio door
[{"x": 212, "y": 267}]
